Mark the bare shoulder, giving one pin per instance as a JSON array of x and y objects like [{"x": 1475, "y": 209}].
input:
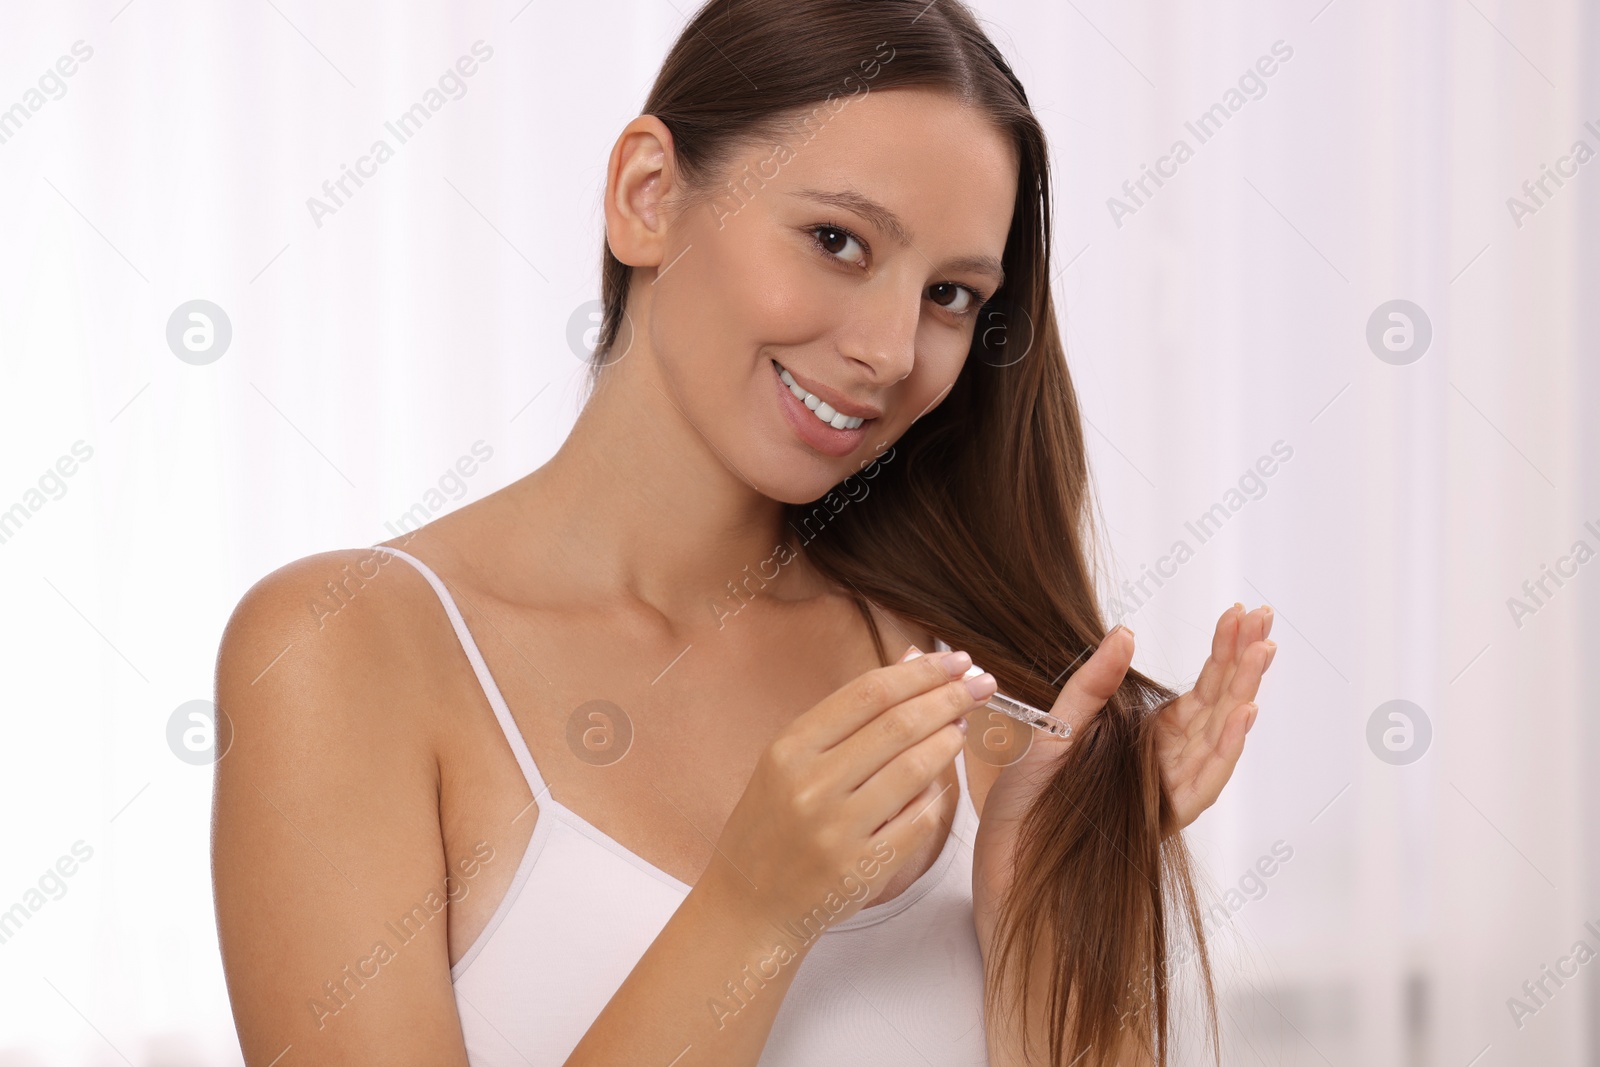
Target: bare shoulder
[
  {"x": 337, "y": 650},
  {"x": 304, "y": 600},
  {"x": 325, "y": 830}
]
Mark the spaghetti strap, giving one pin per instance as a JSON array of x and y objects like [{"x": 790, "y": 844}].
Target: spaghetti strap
[{"x": 497, "y": 701}]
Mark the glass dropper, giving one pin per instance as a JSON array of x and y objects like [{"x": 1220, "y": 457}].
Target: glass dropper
[{"x": 1041, "y": 720}]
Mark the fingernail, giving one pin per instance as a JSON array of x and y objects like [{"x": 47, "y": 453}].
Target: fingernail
[
  {"x": 983, "y": 686},
  {"x": 961, "y": 724},
  {"x": 956, "y": 663},
  {"x": 911, "y": 653},
  {"x": 1251, "y": 721}
]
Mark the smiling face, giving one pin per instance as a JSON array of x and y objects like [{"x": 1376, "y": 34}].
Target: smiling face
[{"x": 857, "y": 262}]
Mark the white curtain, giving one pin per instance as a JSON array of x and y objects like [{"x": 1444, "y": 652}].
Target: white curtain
[{"x": 1266, "y": 426}]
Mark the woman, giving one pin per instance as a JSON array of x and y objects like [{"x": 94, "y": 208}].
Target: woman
[{"x": 831, "y": 424}]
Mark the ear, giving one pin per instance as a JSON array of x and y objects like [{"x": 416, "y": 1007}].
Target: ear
[{"x": 640, "y": 177}]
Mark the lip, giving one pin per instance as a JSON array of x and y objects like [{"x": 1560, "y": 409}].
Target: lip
[{"x": 812, "y": 430}]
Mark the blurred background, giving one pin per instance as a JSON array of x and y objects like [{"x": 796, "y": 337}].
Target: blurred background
[{"x": 1330, "y": 278}]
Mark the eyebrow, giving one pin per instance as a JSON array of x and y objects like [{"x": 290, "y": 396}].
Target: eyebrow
[{"x": 890, "y": 223}]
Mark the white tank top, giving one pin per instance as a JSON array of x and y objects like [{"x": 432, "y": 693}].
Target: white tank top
[{"x": 898, "y": 983}]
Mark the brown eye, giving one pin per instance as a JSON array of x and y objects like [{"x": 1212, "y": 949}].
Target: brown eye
[
  {"x": 960, "y": 298},
  {"x": 832, "y": 241}
]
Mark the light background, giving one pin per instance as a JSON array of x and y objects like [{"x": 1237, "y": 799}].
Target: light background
[{"x": 1229, "y": 312}]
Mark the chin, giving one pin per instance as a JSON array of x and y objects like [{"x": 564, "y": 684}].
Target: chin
[
  {"x": 800, "y": 491},
  {"x": 790, "y": 472}
]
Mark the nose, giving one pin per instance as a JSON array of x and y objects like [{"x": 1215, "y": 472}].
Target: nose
[{"x": 880, "y": 332}]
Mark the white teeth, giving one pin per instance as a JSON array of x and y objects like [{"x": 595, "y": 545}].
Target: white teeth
[{"x": 818, "y": 407}]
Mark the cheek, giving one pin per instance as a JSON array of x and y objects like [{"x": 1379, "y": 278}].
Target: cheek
[
  {"x": 691, "y": 326},
  {"x": 920, "y": 401},
  {"x": 727, "y": 297},
  {"x": 779, "y": 300},
  {"x": 941, "y": 359}
]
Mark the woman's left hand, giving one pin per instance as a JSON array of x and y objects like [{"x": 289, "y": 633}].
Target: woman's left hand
[{"x": 1199, "y": 738}]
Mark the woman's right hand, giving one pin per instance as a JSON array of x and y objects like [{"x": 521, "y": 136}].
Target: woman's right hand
[{"x": 840, "y": 799}]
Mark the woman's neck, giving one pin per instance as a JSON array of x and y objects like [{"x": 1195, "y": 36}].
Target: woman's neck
[{"x": 638, "y": 503}]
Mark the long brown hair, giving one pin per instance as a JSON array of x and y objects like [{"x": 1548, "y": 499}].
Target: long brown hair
[{"x": 980, "y": 528}]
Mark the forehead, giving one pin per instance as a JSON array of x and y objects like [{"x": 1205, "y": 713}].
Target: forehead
[{"x": 942, "y": 167}]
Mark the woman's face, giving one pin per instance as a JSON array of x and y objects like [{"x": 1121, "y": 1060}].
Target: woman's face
[{"x": 856, "y": 261}]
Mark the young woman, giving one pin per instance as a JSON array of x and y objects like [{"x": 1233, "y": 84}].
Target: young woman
[{"x": 622, "y": 764}]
